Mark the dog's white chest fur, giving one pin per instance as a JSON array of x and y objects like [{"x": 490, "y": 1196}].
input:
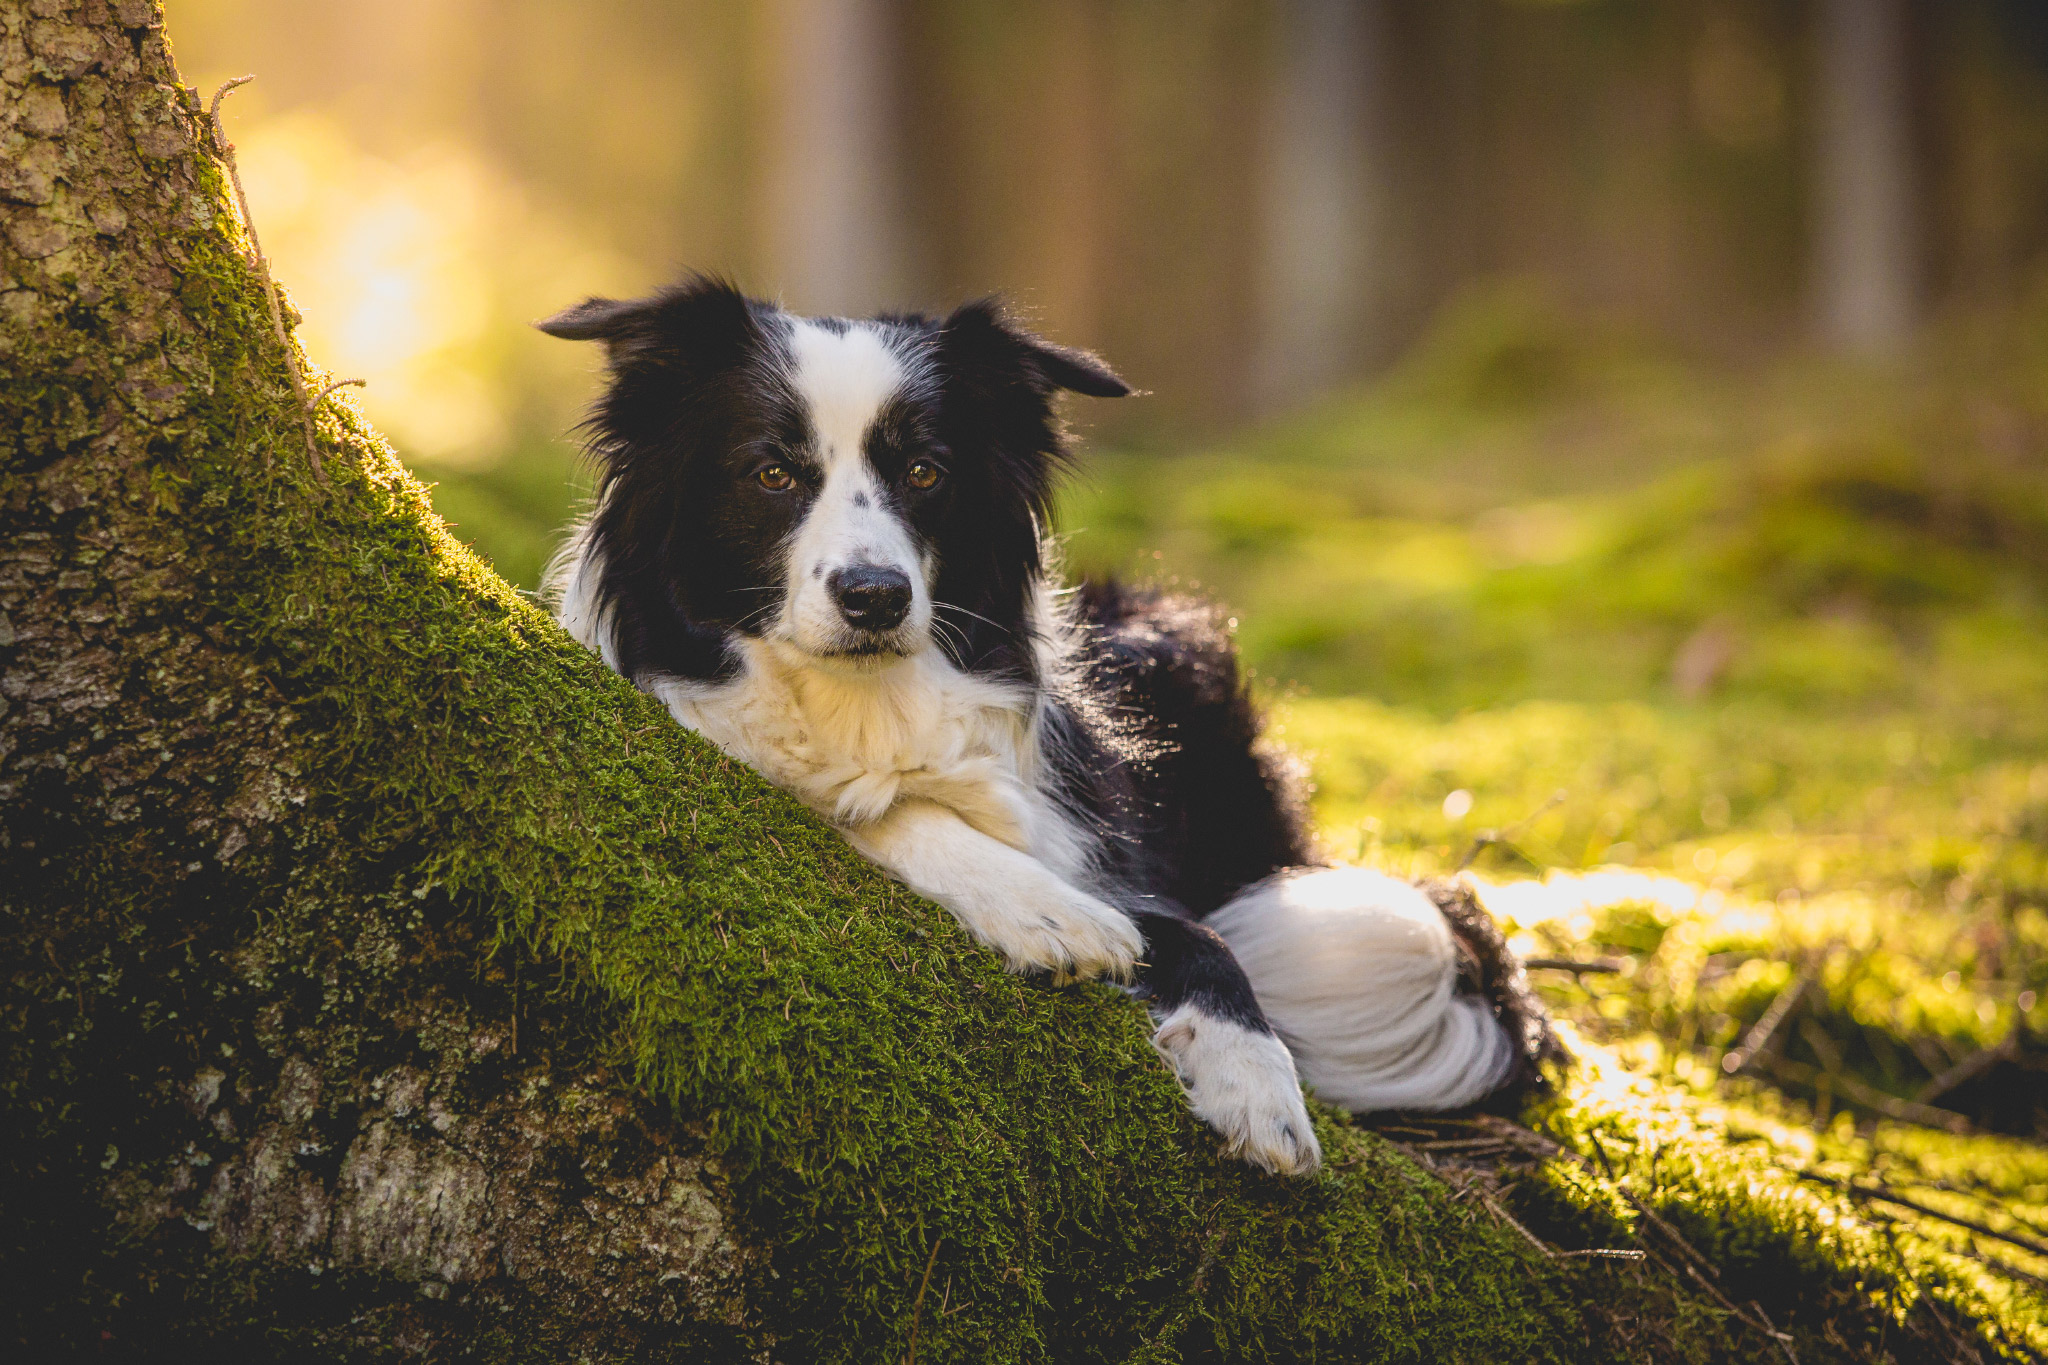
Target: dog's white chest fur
[{"x": 852, "y": 742}]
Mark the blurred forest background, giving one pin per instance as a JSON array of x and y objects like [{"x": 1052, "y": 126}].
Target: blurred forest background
[{"x": 1619, "y": 429}]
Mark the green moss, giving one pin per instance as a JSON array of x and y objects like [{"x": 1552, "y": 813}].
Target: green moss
[
  {"x": 882, "y": 1097},
  {"x": 1737, "y": 1181},
  {"x": 876, "y": 1088}
]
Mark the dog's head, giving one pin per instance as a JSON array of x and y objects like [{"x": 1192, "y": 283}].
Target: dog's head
[{"x": 859, "y": 490}]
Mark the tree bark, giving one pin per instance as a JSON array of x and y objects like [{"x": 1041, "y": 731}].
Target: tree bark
[{"x": 314, "y": 1126}]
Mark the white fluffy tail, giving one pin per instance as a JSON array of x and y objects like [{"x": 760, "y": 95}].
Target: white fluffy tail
[{"x": 1357, "y": 972}]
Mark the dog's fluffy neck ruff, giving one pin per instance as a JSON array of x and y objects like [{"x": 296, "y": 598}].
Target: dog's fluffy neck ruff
[{"x": 852, "y": 741}]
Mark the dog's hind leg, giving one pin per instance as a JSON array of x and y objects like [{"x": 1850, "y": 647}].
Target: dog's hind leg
[
  {"x": 1358, "y": 971},
  {"x": 1239, "y": 1077}
]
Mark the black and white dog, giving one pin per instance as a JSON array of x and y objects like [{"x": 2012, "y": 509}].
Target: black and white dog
[{"x": 822, "y": 544}]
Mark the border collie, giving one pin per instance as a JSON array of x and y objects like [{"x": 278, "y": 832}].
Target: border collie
[{"x": 822, "y": 543}]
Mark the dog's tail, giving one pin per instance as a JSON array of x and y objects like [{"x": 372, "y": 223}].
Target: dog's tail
[{"x": 1390, "y": 996}]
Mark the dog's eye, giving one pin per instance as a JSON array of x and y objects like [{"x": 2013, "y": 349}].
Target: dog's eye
[
  {"x": 776, "y": 478},
  {"x": 923, "y": 474}
]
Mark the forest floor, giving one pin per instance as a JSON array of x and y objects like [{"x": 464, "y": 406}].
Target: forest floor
[
  {"x": 1729, "y": 685},
  {"x": 1725, "y": 686}
]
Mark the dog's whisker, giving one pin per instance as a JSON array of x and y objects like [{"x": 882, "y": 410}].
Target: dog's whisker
[
  {"x": 949, "y": 606},
  {"x": 949, "y": 633}
]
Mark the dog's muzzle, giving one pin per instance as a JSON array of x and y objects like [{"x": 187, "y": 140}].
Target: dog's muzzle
[{"x": 871, "y": 597}]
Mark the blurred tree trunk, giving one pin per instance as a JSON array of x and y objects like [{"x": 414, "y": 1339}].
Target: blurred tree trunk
[
  {"x": 835, "y": 231},
  {"x": 249, "y": 1096},
  {"x": 1866, "y": 259},
  {"x": 1327, "y": 196}
]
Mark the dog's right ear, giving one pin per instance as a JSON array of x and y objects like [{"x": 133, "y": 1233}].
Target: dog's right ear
[{"x": 701, "y": 323}]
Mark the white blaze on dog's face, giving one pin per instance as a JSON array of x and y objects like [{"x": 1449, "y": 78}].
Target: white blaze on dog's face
[
  {"x": 857, "y": 491},
  {"x": 858, "y": 580}
]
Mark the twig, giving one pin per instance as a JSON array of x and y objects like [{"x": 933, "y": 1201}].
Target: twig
[
  {"x": 1972, "y": 1066},
  {"x": 1600, "y": 1150},
  {"x": 1677, "y": 1239},
  {"x": 1412, "y": 1132},
  {"x": 321, "y": 397},
  {"x": 1887, "y": 1196},
  {"x": 1565, "y": 964},
  {"x": 1487, "y": 837},
  {"x": 1606, "y": 1254},
  {"x": 1784, "y": 1338},
  {"x": 1969, "y": 1251},
  {"x": 291, "y": 358},
  {"x": 917, "y": 1309},
  {"x": 1690, "y": 1258},
  {"x": 1493, "y": 1206},
  {"x": 2006, "y": 1268},
  {"x": 1759, "y": 1038},
  {"x": 1891, "y": 1106}
]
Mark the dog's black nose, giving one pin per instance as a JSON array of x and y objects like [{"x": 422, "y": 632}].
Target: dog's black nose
[{"x": 871, "y": 598}]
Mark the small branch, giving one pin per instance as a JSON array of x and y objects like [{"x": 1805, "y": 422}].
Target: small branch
[
  {"x": 1784, "y": 1338},
  {"x": 227, "y": 88},
  {"x": 1689, "y": 1256},
  {"x": 1677, "y": 1239},
  {"x": 2005, "y": 1268},
  {"x": 1488, "y": 837},
  {"x": 917, "y": 1309},
  {"x": 322, "y": 396},
  {"x": 226, "y": 149},
  {"x": 1971, "y": 1067},
  {"x": 1891, "y": 1106},
  {"x": 1564, "y": 964},
  {"x": 1887, "y": 1196},
  {"x": 1605, "y": 1254},
  {"x": 1758, "y": 1039},
  {"x": 1493, "y": 1206}
]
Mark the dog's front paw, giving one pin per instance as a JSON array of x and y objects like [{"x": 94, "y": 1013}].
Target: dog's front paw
[
  {"x": 1067, "y": 932},
  {"x": 1241, "y": 1082}
]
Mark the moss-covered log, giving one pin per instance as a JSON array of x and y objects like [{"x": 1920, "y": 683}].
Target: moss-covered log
[{"x": 383, "y": 977}]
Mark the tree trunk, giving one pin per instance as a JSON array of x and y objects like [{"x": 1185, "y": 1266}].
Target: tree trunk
[
  {"x": 1325, "y": 241},
  {"x": 1866, "y": 260},
  {"x": 385, "y": 978},
  {"x": 255, "y": 1088},
  {"x": 835, "y": 233}
]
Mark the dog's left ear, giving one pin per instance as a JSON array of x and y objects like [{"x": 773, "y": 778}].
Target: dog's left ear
[
  {"x": 981, "y": 340},
  {"x": 697, "y": 327},
  {"x": 594, "y": 319}
]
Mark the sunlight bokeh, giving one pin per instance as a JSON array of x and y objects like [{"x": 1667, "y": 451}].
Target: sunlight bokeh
[{"x": 414, "y": 275}]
